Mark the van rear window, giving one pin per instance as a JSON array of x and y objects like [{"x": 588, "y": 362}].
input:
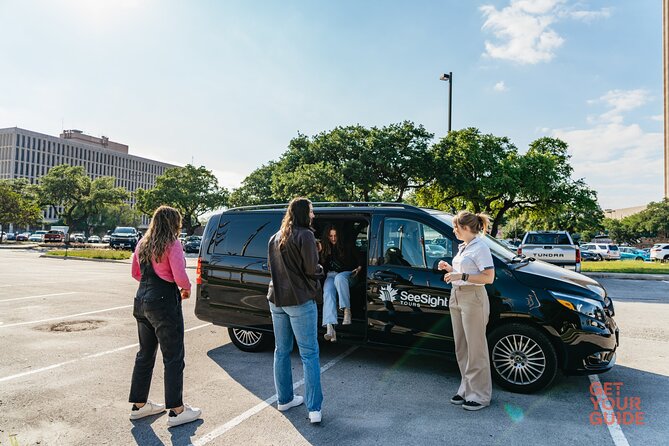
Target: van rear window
[
  {"x": 245, "y": 234},
  {"x": 547, "y": 239}
]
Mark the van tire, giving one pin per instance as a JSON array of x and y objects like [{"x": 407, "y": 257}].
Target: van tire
[
  {"x": 250, "y": 340},
  {"x": 532, "y": 377}
]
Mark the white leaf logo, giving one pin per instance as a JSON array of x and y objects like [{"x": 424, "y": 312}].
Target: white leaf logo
[{"x": 388, "y": 293}]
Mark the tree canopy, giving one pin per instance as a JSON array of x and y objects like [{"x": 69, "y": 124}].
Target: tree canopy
[
  {"x": 19, "y": 203},
  {"x": 81, "y": 197},
  {"x": 192, "y": 190}
]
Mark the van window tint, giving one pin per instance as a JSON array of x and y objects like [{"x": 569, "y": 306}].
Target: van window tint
[
  {"x": 245, "y": 234},
  {"x": 547, "y": 239},
  {"x": 410, "y": 243}
]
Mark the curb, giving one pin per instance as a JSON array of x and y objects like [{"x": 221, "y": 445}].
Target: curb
[
  {"x": 33, "y": 246},
  {"x": 85, "y": 259},
  {"x": 628, "y": 276}
]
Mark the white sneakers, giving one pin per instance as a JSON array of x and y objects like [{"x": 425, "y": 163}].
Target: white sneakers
[
  {"x": 189, "y": 414},
  {"x": 347, "y": 317},
  {"x": 148, "y": 409},
  {"x": 297, "y": 400},
  {"x": 315, "y": 417}
]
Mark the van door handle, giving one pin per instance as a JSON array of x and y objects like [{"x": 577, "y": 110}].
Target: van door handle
[
  {"x": 388, "y": 276},
  {"x": 265, "y": 266}
]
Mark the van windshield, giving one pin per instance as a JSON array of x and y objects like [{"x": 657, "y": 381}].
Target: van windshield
[{"x": 496, "y": 247}]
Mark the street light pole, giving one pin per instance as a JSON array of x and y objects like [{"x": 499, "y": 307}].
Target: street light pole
[{"x": 449, "y": 77}]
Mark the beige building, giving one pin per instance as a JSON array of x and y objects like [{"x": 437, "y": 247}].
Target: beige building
[
  {"x": 619, "y": 214},
  {"x": 30, "y": 155}
]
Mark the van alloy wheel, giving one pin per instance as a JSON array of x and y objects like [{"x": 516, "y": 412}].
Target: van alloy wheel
[
  {"x": 519, "y": 359},
  {"x": 250, "y": 340},
  {"x": 247, "y": 337}
]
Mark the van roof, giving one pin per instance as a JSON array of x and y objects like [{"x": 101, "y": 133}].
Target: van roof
[{"x": 327, "y": 207}]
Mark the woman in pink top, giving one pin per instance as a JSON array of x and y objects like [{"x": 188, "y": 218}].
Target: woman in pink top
[{"x": 160, "y": 267}]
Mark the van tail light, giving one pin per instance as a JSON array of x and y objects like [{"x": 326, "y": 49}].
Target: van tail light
[
  {"x": 520, "y": 251},
  {"x": 198, "y": 271},
  {"x": 578, "y": 255}
]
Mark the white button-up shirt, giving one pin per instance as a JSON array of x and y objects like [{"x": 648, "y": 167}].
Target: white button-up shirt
[{"x": 472, "y": 258}]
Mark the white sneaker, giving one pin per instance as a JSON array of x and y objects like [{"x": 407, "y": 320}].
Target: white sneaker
[
  {"x": 297, "y": 400},
  {"x": 148, "y": 409},
  {"x": 347, "y": 317},
  {"x": 189, "y": 414},
  {"x": 315, "y": 417}
]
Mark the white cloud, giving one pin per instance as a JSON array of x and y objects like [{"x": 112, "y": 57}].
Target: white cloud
[
  {"x": 500, "y": 86},
  {"x": 523, "y": 29},
  {"x": 622, "y": 162},
  {"x": 657, "y": 118}
]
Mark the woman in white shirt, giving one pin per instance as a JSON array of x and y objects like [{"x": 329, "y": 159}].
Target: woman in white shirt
[{"x": 472, "y": 269}]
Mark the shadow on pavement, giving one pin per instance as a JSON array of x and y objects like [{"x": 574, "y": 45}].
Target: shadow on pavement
[{"x": 144, "y": 435}]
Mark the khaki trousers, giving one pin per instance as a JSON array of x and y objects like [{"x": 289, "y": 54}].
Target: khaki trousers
[{"x": 470, "y": 308}]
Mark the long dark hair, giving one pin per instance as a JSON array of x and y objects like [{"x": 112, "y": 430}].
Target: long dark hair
[
  {"x": 297, "y": 214},
  {"x": 163, "y": 230},
  {"x": 327, "y": 248}
]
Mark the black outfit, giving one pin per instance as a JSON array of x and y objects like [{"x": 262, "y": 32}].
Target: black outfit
[
  {"x": 345, "y": 261},
  {"x": 159, "y": 322},
  {"x": 295, "y": 270}
]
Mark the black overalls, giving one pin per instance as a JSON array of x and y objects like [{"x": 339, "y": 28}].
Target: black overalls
[{"x": 159, "y": 322}]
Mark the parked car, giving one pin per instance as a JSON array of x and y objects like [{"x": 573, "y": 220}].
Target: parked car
[
  {"x": 106, "y": 238},
  {"x": 589, "y": 256},
  {"x": 182, "y": 237},
  {"x": 630, "y": 253},
  {"x": 93, "y": 239},
  {"x": 556, "y": 247},
  {"x": 54, "y": 236},
  {"x": 11, "y": 236},
  {"x": 558, "y": 318},
  {"x": 124, "y": 237},
  {"x": 604, "y": 251},
  {"x": 660, "y": 251},
  {"x": 77, "y": 237},
  {"x": 23, "y": 237},
  {"x": 192, "y": 243},
  {"x": 37, "y": 236}
]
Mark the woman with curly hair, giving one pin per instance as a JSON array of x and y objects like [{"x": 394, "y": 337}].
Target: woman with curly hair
[{"x": 160, "y": 267}]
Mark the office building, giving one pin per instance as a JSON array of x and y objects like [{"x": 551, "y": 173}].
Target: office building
[{"x": 30, "y": 155}]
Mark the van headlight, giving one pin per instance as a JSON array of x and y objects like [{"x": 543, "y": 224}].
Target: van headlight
[{"x": 589, "y": 307}]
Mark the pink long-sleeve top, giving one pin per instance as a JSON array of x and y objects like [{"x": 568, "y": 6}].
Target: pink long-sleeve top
[{"x": 171, "y": 267}]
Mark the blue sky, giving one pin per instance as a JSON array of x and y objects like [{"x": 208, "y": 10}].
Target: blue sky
[{"x": 228, "y": 83}]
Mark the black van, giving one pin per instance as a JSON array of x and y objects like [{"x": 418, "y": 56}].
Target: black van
[{"x": 542, "y": 317}]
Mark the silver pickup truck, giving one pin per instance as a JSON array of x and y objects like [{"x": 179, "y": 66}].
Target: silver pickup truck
[{"x": 556, "y": 247}]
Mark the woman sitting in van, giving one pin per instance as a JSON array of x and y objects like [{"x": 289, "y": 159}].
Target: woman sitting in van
[{"x": 341, "y": 265}]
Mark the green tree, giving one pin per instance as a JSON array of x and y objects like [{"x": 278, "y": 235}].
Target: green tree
[
  {"x": 192, "y": 190},
  {"x": 485, "y": 173},
  {"x": 81, "y": 197},
  {"x": 18, "y": 204}
]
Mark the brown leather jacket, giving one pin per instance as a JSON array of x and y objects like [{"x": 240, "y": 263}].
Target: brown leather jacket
[{"x": 295, "y": 270}]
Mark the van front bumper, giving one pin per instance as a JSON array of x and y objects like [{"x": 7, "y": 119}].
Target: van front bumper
[{"x": 591, "y": 348}]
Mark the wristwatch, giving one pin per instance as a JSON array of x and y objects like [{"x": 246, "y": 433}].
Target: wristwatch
[{"x": 465, "y": 276}]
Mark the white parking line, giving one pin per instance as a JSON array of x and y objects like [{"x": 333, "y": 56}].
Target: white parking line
[
  {"x": 93, "y": 355},
  {"x": 217, "y": 432},
  {"x": 35, "y": 297},
  {"x": 615, "y": 430},
  {"x": 64, "y": 317}
]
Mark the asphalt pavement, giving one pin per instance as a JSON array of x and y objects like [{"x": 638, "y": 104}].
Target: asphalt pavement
[{"x": 68, "y": 344}]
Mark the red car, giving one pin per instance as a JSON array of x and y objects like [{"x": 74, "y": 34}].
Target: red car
[{"x": 54, "y": 236}]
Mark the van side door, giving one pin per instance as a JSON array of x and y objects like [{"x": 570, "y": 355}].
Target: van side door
[{"x": 407, "y": 298}]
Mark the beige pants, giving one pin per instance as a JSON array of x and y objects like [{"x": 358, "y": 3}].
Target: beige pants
[{"x": 470, "y": 308}]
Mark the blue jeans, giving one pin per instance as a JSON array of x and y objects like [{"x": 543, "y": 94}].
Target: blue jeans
[
  {"x": 336, "y": 284},
  {"x": 302, "y": 321}
]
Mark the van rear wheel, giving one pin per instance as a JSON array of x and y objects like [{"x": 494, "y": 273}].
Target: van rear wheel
[
  {"x": 522, "y": 359},
  {"x": 250, "y": 340}
]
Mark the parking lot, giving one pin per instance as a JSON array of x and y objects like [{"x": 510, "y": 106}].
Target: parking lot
[{"x": 69, "y": 339}]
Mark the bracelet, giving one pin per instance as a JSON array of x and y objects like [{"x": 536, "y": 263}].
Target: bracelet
[{"x": 465, "y": 276}]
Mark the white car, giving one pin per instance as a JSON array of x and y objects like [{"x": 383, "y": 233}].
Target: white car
[
  {"x": 37, "y": 236},
  {"x": 93, "y": 239},
  {"x": 660, "y": 251},
  {"x": 603, "y": 251}
]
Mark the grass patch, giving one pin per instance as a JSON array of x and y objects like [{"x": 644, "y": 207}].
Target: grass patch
[
  {"x": 92, "y": 253},
  {"x": 625, "y": 266}
]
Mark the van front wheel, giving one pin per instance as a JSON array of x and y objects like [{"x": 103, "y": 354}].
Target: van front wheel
[
  {"x": 250, "y": 340},
  {"x": 522, "y": 359}
]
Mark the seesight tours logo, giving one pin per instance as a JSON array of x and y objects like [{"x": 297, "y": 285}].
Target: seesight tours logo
[{"x": 388, "y": 294}]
